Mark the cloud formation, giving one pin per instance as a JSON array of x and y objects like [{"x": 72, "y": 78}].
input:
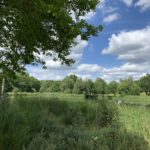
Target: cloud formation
[
  {"x": 77, "y": 50},
  {"x": 90, "y": 68},
  {"x": 128, "y": 2},
  {"x": 131, "y": 46},
  {"x": 143, "y": 4},
  {"x": 110, "y": 18}
]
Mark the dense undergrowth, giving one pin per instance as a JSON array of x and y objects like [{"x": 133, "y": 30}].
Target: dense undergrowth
[{"x": 33, "y": 123}]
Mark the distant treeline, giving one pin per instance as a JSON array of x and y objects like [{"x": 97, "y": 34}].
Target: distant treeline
[{"x": 73, "y": 84}]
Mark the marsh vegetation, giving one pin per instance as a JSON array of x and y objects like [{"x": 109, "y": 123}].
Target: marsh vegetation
[{"x": 67, "y": 121}]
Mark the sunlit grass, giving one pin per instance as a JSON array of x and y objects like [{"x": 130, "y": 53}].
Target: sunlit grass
[{"x": 136, "y": 120}]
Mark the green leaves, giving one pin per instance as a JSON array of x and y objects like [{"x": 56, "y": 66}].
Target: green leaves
[{"x": 43, "y": 27}]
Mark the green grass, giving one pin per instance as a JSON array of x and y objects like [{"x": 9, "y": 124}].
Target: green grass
[
  {"x": 33, "y": 122},
  {"x": 52, "y": 121},
  {"x": 60, "y": 96},
  {"x": 136, "y": 120},
  {"x": 142, "y": 99}
]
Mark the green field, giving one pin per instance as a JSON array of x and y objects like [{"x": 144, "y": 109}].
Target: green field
[{"x": 69, "y": 122}]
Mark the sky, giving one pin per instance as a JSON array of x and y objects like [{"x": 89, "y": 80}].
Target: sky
[{"x": 121, "y": 50}]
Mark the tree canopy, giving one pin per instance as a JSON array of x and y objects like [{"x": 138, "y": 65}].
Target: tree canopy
[
  {"x": 101, "y": 86},
  {"x": 113, "y": 86},
  {"x": 145, "y": 84},
  {"x": 32, "y": 27},
  {"x": 129, "y": 87}
]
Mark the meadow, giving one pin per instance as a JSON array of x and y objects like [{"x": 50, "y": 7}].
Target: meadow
[{"x": 51, "y": 121}]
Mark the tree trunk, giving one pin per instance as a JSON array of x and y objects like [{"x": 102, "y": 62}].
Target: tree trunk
[{"x": 3, "y": 86}]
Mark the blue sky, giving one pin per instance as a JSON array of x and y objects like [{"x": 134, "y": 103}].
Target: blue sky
[{"x": 122, "y": 49}]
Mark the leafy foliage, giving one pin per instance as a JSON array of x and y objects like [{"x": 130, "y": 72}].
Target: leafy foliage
[
  {"x": 68, "y": 84},
  {"x": 50, "y": 86},
  {"x": 30, "y": 28},
  {"x": 113, "y": 87},
  {"x": 21, "y": 83},
  {"x": 101, "y": 86},
  {"x": 129, "y": 87},
  {"x": 145, "y": 84},
  {"x": 79, "y": 87}
]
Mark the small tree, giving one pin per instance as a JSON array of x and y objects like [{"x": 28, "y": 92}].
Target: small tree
[
  {"x": 68, "y": 83},
  {"x": 79, "y": 87},
  {"x": 123, "y": 88},
  {"x": 145, "y": 84},
  {"x": 90, "y": 90},
  {"x": 113, "y": 87},
  {"x": 101, "y": 86},
  {"x": 135, "y": 89}
]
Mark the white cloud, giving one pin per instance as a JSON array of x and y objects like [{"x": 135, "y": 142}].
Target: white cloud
[
  {"x": 110, "y": 18},
  {"x": 93, "y": 71},
  {"x": 110, "y": 9},
  {"x": 77, "y": 51},
  {"x": 47, "y": 74},
  {"x": 123, "y": 72},
  {"x": 50, "y": 63},
  {"x": 128, "y": 2},
  {"x": 127, "y": 68},
  {"x": 106, "y": 8},
  {"x": 90, "y": 68},
  {"x": 132, "y": 46},
  {"x": 144, "y": 4}
]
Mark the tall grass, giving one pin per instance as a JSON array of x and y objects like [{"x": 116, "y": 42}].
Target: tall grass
[
  {"x": 46, "y": 123},
  {"x": 136, "y": 120}
]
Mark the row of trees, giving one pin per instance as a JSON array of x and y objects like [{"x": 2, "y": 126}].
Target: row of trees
[{"x": 73, "y": 84}]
